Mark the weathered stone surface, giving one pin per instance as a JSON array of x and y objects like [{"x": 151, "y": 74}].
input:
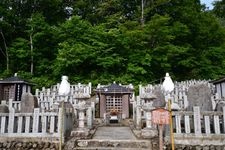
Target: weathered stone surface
[
  {"x": 4, "y": 109},
  {"x": 82, "y": 143},
  {"x": 68, "y": 107},
  {"x": 28, "y": 103},
  {"x": 160, "y": 99},
  {"x": 220, "y": 105},
  {"x": 196, "y": 147},
  {"x": 149, "y": 133},
  {"x": 199, "y": 95},
  {"x": 19, "y": 145},
  {"x": 206, "y": 148},
  {"x": 35, "y": 145},
  {"x": 47, "y": 144}
]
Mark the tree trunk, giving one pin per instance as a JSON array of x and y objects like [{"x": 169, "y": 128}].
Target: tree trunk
[
  {"x": 6, "y": 52},
  {"x": 31, "y": 53}
]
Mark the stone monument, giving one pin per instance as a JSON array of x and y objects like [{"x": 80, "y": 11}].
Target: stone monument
[
  {"x": 159, "y": 100},
  {"x": 28, "y": 103},
  {"x": 199, "y": 95}
]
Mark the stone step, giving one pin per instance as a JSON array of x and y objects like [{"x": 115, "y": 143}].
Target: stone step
[
  {"x": 108, "y": 148},
  {"x": 115, "y": 144}
]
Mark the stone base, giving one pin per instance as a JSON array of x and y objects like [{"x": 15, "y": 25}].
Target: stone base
[
  {"x": 148, "y": 133},
  {"x": 80, "y": 132}
]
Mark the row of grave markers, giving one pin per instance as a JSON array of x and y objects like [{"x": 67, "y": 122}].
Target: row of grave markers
[
  {"x": 199, "y": 122},
  {"x": 46, "y": 97},
  {"x": 36, "y": 124}
]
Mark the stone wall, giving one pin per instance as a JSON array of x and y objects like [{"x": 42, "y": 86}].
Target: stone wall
[
  {"x": 196, "y": 147},
  {"x": 25, "y": 145}
]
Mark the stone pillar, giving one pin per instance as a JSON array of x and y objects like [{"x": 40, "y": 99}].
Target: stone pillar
[
  {"x": 149, "y": 131},
  {"x": 89, "y": 117},
  {"x": 138, "y": 117},
  {"x": 197, "y": 120},
  {"x": 52, "y": 124},
  {"x": 36, "y": 120},
  {"x": 187, "y": 124},
  {"x": 27, "y": 124},
  {"x": 134, "y": 111},
  {"x": 93, "y": 110},
  {"x": 3, "y": 124},
  {"x": 11, "y": 120},
  {"x": 138, "y": 113},
  {"x": 178, "y": 123},
  {"x": 81, "y": 118},
  {"x": 216, "y": 124},
  {"x": 20, "y": 124},
  {"x": 148, "y": 119},
  {"x": 207, "y": 124}
]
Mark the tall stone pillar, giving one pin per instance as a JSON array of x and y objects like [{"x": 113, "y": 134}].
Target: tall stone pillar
[
  {"x": 138, "y": 117},
  {"x": 89, "y": 117}
]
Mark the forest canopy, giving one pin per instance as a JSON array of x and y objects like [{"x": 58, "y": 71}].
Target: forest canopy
[{"x": 101, "y": 41}]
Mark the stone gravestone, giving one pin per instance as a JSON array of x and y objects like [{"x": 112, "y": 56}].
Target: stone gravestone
[
  {"x": 28, "y": 103},
  {"x": 220, "y": 105},
  {"x": 160, "y": 99},
  {"x": 199, "y": 95},
  {"x": 3, "y": 107}
]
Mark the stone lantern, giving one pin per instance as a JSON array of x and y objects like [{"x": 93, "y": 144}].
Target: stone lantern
[
  {"x": 149, "y": 131},
  {"x": 81, "y": 107}
]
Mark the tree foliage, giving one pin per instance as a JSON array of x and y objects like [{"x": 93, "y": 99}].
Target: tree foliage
[{"x": 104, "y": 40}]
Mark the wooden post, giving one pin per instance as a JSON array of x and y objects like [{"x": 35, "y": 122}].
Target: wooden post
[
  {"x": 171, "y": 125},
  {"x": 160, "y": 136}
]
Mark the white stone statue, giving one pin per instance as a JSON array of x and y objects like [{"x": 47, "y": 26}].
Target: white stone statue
[
  {"x": 64, "y": 88},
  {"x": 168, "y": 84}
]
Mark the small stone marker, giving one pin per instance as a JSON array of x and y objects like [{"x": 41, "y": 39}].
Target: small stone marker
[{"x": 28, "y": 103}]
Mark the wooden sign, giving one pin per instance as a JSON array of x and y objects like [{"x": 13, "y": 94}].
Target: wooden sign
[{"x": 160, "y": 116}]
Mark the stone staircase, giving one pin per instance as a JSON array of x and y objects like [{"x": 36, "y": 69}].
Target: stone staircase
[
  {"x": 118, "y": 136},
  {"x": 96, "y": 144}
]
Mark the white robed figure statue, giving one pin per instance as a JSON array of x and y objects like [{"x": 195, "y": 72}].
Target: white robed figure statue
[{"x": 64, "y": 87}]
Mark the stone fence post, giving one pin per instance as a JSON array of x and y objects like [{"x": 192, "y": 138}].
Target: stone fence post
[{"x": 197, "y": 120}]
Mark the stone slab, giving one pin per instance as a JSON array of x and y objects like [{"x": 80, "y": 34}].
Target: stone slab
[{"x": 114, "y": 133}]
